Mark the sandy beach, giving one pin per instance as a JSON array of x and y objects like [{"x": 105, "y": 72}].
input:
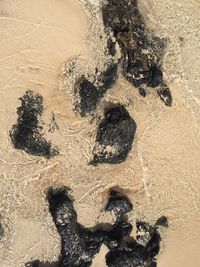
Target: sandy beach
[{"x": 39, "y": 41}]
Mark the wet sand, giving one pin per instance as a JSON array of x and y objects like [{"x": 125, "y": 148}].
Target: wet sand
[
  {"x": 36, "y": 39},
  {"x": 161, "y": 174}
]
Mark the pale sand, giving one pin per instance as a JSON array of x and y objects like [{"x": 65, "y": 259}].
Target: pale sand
[{"x": 161, "y": 174}]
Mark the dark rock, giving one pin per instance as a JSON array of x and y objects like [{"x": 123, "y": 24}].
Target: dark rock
[
  {"x": 80, "y": 244},
  {"x": 38, "y": 263},
  {"x": 141, "y": 51},
  {"x": 130, "y": 255},
  {"x": 165, "y": 95},
  {"x": 26, "y": 134},
  {"x": 117, "y": 20},
  {"x": 115, "y": 136},
  {"x": 133, "y": 254},
  {"x": 119, "y": 204},
  {"x": 153, "y": 264},
  {"x": 87, "y": 95},
  {"x": 111, "y": 47},
  {"x": 142, "y": 91},
  {"x": 144, "y": 232},
  {"x": 156, "y": 77},
  {"x": 162, "y": 221},
  {"x": 76, "y": 251},
  {"x": 149, "y": 237},
  {"x": 1, "y": 231},
  {"x": 153, "y": 245},
  {"x": 107, "y": 78}
]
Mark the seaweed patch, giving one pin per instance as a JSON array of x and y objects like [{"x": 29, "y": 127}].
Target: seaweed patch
[
  {"x": 80, "y": 244},
  {"x": 26, "y": 134}
]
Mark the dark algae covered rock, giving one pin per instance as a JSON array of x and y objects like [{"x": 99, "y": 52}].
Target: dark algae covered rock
[
  {"x": 107, "y": 78},
  {"x": 119, "y": 204},
  {"x": 26, "y": 134},
  {"x": 141, "y": 51},
  {"x": 88, "y": 93},
  {"x": 79, "y": 245},
  {"x": 162, "y": 221},
  {"x": 76, "y": 250},
  {"x": 115, "y": 136},
  {"x": 140, "y": 58}
]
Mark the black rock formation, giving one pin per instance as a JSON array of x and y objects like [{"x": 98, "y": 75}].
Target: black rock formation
[
  {"x": 107, "y": 79},
  {"x": 111, "y": 47},
  {"x": 141, "y": 51},
  {"x": 26, "y": 134},
  {"x": 88, "y": 94},
  {"x": 165, "y": 95},
  {"x": 1, "y": 231},
  {"x": 115, "y": 136},
  {"x": 80, "y": 244},
  {"x": 77, "y": 251},
  {"x": 38, "y": 263},
  {"x": 119, "y": 204},
  {"x": 130, "y": 253},
  {"x": 162, "y": 221}
]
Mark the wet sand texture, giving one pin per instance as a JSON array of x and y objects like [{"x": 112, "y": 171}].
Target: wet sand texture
[{"x": 67, "y": 67}]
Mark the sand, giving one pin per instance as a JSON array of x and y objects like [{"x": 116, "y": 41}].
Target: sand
[{"x": 161, "y": 174}]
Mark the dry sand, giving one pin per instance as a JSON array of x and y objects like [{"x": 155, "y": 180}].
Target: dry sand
[{"x": 161, "y": 174}]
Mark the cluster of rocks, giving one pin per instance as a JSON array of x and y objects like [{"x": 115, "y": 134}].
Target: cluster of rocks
[
  {"x": 141, "y": 65},
  {"x": 80, "y": 244},
  {"x": 141, "y": 51}
]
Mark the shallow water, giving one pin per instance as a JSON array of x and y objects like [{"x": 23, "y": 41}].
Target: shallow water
[{"x": 161, "y": 173}]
